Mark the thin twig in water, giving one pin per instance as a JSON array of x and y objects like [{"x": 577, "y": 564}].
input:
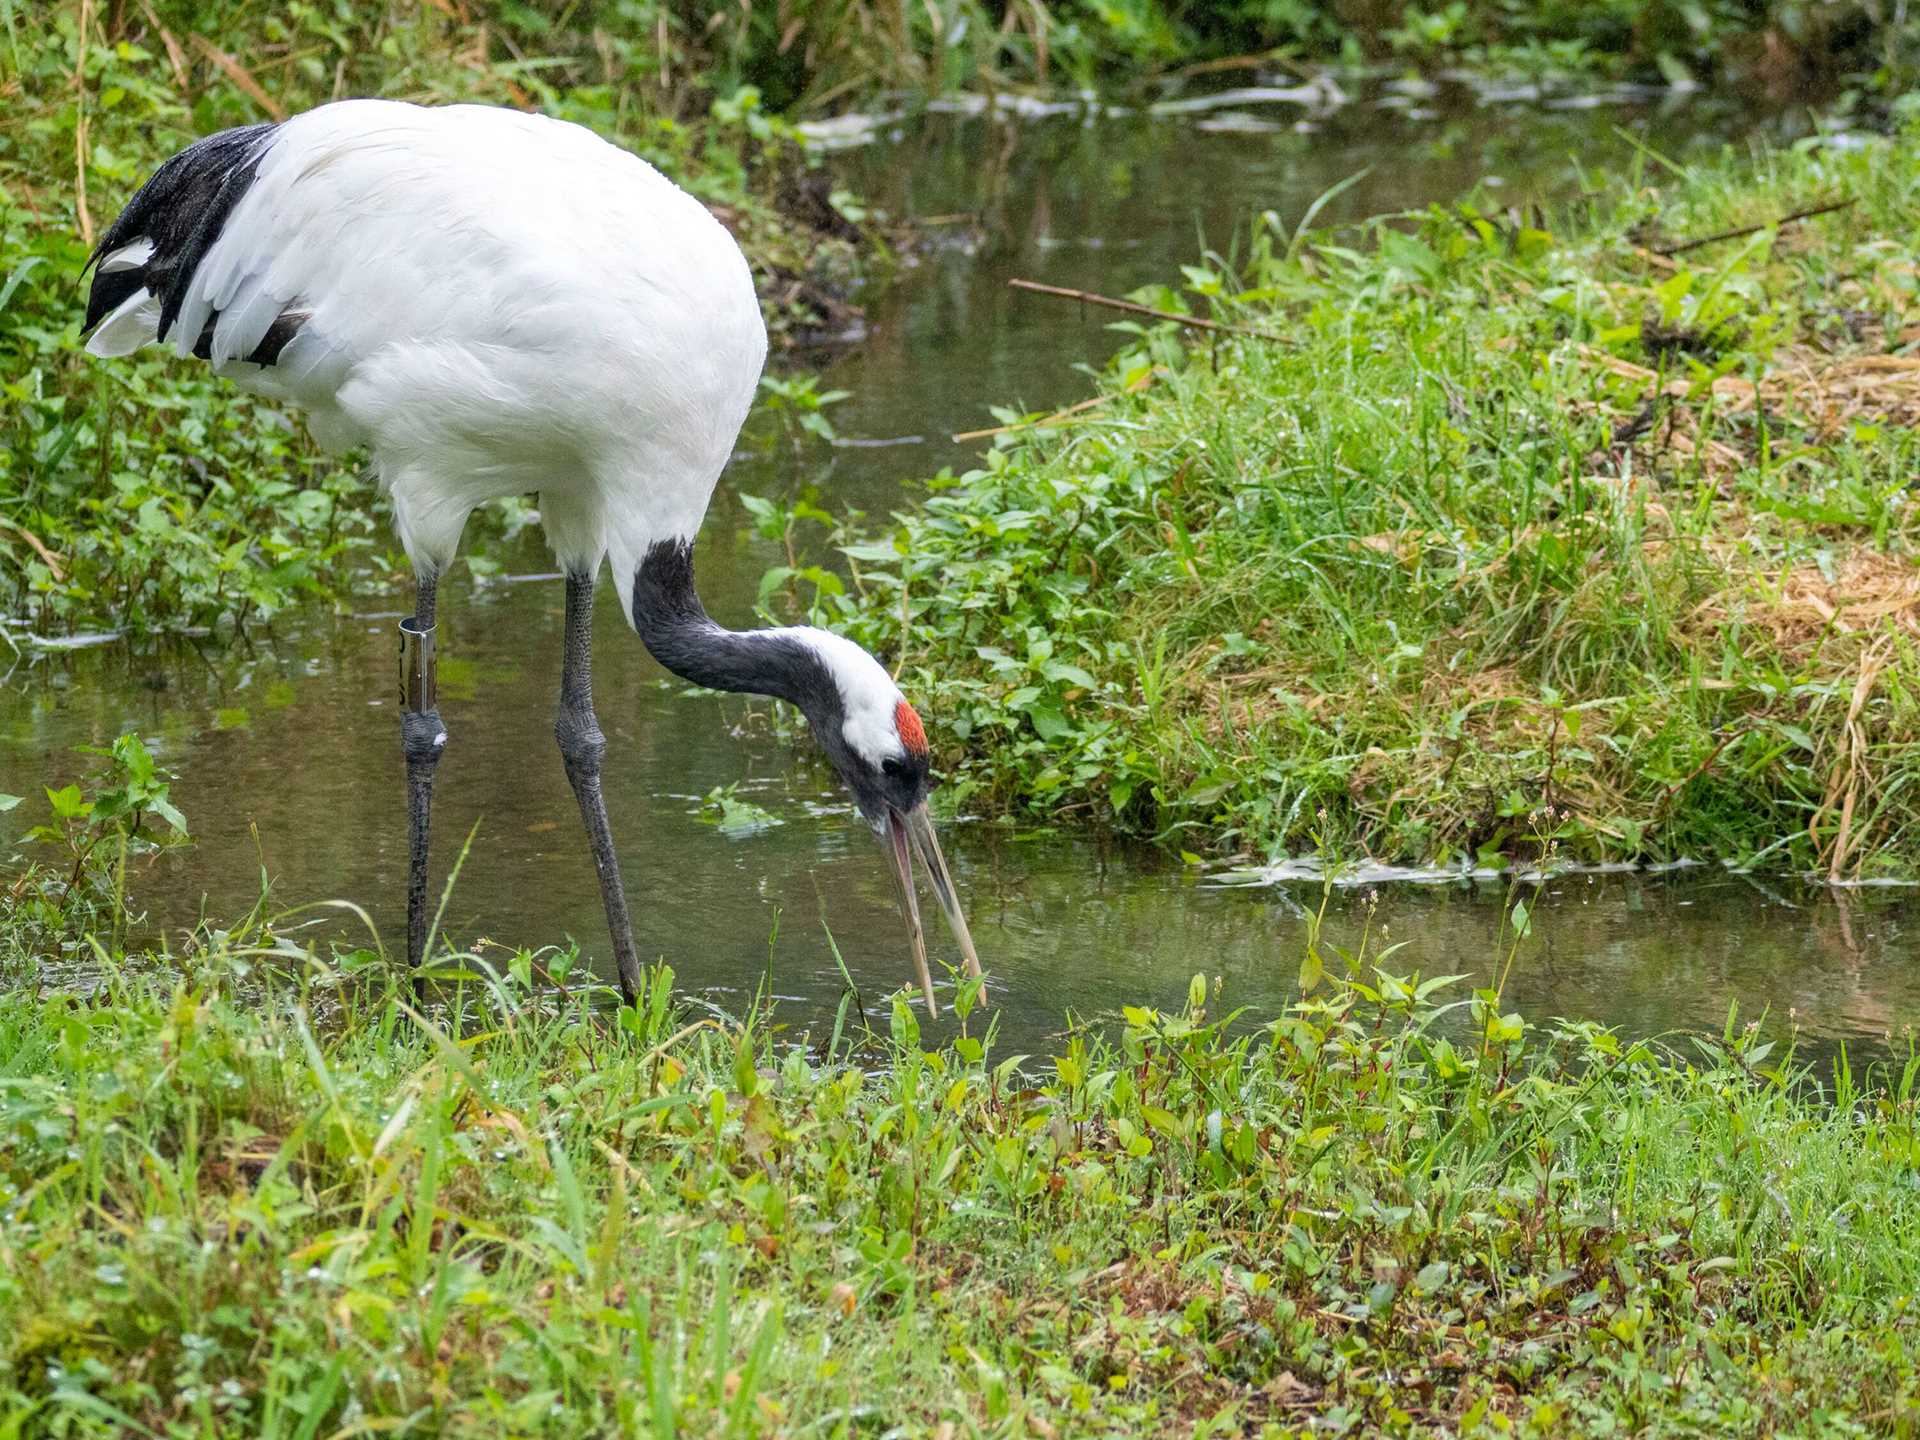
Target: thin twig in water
[
  {"x": 1058, "y": 416},
  {"x": 1258, "y": 60},
  {"x": 1088, "y": 297},
  {"x": 1738, "y": 231}
]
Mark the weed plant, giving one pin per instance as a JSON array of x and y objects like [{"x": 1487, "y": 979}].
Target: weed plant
[{"x": 72, "y": 873}]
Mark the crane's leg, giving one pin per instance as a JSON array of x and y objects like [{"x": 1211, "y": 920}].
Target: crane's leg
[
  {"x": 582, "y": 748},
  {"x": 422, "y": 739}
]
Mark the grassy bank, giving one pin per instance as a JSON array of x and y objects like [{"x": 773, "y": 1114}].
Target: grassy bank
[
  {"x": 1502, "y": 526},
  {"x": 148, "y": 495},
  {"x": 245, "y": 1193}
]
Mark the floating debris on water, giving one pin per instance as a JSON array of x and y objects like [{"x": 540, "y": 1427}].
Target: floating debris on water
[
  {"x": 85, "y": 640},
  {"x": 846, "y": 132},
  {"x": 1317, "y": 94}
]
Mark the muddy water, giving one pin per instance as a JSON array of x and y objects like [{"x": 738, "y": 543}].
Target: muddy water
[{"x": 287, "y": 749}]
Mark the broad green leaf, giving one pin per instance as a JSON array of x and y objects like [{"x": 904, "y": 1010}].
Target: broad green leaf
[{"x": 1048, "y": 722}]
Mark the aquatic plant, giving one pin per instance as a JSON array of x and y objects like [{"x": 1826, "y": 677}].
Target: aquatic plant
[{"x": 72, "y": 873}]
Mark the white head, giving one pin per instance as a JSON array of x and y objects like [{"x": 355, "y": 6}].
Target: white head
[
  {"x": 863, "y": 722},
  {"x": 875, "y": 740}
]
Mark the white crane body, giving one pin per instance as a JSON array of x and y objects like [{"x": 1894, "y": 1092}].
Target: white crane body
[
  {"x": 494, "y": 303},
  {"x": 471, "y": 310}
]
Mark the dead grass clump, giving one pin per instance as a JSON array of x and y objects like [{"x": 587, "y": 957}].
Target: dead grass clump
[
  {"x": 1478, "y": 694},
  {"x": 1851, "y": 782},
  {"x": 1679, "y": 433},
  {"x": 1253, "y": 698},
  {"x": 1832, "y": 395},
  {"x": 1870, "y": 590},
  {"x": 1827, "y": 395}
]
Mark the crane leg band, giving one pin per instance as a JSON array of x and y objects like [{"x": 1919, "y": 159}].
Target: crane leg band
[
  {"x": 422, "y": 736},
  {"x": 419, "y": 673}
]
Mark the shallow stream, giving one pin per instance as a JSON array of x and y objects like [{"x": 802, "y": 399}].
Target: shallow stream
[{"x": 287, "y": 748}]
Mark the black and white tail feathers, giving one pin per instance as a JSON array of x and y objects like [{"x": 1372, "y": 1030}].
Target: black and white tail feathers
[{"x": 145, "y": 262}]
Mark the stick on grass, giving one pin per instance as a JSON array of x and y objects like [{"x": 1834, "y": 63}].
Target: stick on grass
[
  {"x": 1739, "y": 231},
  {"x": 1088, "y": 297}
]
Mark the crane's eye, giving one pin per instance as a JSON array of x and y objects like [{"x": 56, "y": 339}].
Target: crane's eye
[{"x": 892, "y": 768}]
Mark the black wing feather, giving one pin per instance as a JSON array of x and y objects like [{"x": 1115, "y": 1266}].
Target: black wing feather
[{"x": 182, "y": 209}]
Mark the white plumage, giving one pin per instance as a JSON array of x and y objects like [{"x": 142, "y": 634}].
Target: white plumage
[{"x": 497, "y": 303}]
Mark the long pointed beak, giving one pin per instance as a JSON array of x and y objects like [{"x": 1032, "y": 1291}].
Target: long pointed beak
[
  {"x": 920, "y": 826},
  {"x": 893, "y": 839},
  {"x": 917, "y": 827}
]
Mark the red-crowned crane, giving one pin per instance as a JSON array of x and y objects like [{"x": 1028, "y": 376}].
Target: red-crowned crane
[{"x": 495, "y": 303}]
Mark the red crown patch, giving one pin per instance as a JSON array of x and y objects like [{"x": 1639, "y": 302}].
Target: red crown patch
[{"x": 908, "y": 724}]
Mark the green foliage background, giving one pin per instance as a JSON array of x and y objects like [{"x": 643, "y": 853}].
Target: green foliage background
[{"x": 143, "y": 495}]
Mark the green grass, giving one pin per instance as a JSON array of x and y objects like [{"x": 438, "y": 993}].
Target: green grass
[
  {"x": 250, "y": 1192},
  {"x": 1516, "y": 527},
  {"x": 146, "y": 496}
]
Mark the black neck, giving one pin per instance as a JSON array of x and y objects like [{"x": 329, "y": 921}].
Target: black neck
[{"x": 681, "y": 636}]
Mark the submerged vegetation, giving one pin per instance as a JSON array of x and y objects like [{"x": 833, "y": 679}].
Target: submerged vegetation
[
  {"x": 1469, "y": 518},
  {"x": 250, "y": 1192}
]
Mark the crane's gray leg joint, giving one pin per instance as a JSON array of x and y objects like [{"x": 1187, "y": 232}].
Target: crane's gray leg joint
[
  {"x": 582, "y": 749},
  {"x": 583, "y": 746},
  {"x": 423, "y": 739}
]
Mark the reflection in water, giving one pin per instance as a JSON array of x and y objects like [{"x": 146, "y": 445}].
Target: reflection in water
[{"x": 295, "y": 736}]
